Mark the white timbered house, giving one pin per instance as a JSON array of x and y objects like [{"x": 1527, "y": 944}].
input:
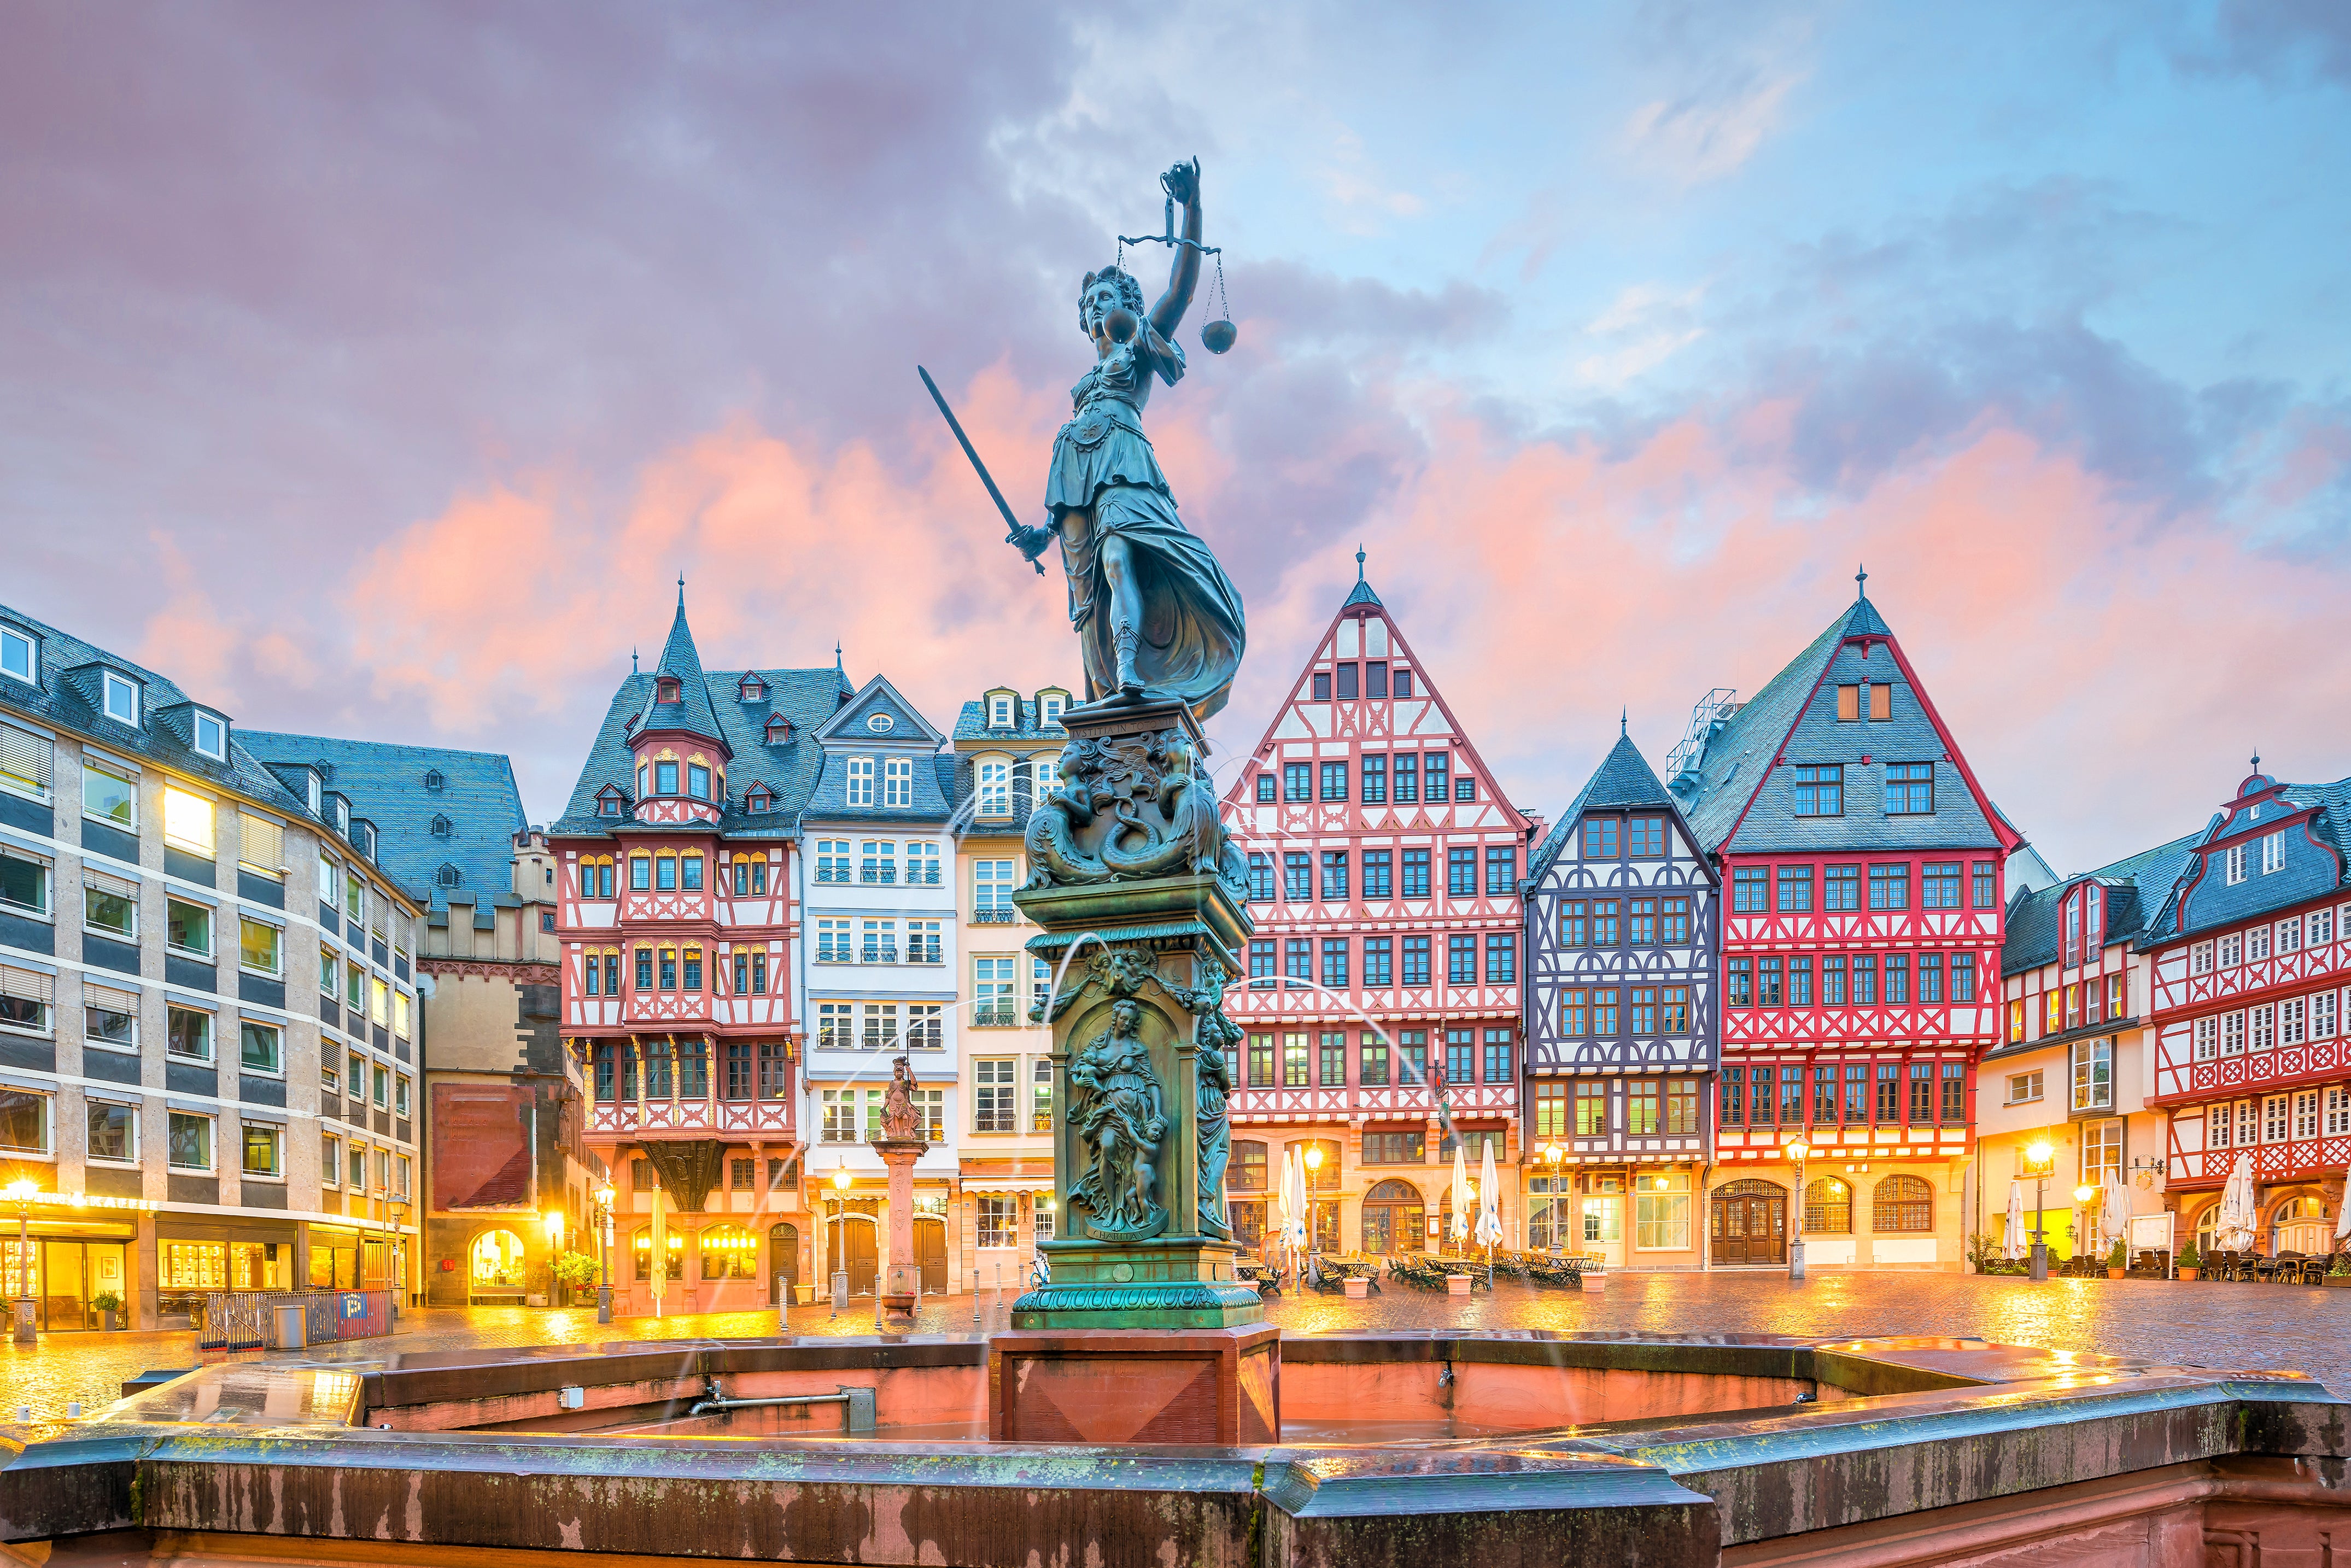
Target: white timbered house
[
  {"x": 1381, "y": 1003},
  {"x": 1620, "y": 1021}
]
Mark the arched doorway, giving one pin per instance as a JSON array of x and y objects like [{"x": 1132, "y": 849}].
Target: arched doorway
[
  {"x": 783, "y": 1260},
  {"x": 931, "y": 1253},
  {"x": 1747, "y": 1223},
  {"x": 2300, "y": 1225},
  {"x": 1395, "y": 1218},
  {"x": 496, "y": 1268}
]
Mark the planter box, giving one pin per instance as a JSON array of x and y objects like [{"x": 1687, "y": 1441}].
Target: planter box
[
  {"x": 1593, "y": 1281},
  {"x": 1357, "y": 1289},
  {"x": 2339, "y": 1279},
  {"x": 1457, "y": 1284}
]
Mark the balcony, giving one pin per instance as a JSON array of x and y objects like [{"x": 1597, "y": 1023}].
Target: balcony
[
  {"x": 878, "y": 955},
  {"x": 993, "y": 1018},
  {"x": 888, "y": 875},
  {"x": 831, "y": 874},
  {"x": 992, "y": 917}
]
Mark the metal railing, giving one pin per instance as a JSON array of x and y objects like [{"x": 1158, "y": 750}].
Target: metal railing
[
  {"x": 991, "y": 916},
  {"x": 240, "y": 1320},
  {"x": 992, "y": 1018},
  {"x": 878, "y": 875}
]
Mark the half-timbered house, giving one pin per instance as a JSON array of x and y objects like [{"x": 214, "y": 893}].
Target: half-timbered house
[
  {"x": 678, "y": 930},
  {"x": 1620, "y": 1021},
  {"x": 2072, "y": 1066},
  {"x": 1863, "y": 866},
  {"x": 1381, "y": 1008},
  {"x": 2250, "y": 959}
]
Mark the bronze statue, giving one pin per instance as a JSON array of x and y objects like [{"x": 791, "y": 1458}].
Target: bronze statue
[
  {"x": 1117, "y": 1107},
  {"x": 1152, "y": 610},
  {"x": 902, "y": 1120},
  {"x": 1214, "y": 1035}
]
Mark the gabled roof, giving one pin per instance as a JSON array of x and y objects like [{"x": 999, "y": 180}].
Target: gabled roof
[
  {"x": 805, "y": 697},
  {"x": 1738, "y": 797},
  {"x": 386, "y": 784},
  {"x": 2330, "y": 826},
  {"x": 909, "y": 738},
  {"x": 2136, "y": 886},
  {"x": 694, "y": 713},
  {"x": 1363, "y": 593},
  {"x": 971, "y": 722},
  {"x": 61, "y": 704},
  {"x": 854, "y": 723},
  {"x": 1623, "y": 781}
]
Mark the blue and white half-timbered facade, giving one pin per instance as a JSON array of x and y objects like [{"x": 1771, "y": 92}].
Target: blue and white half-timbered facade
[{"x": 1621, "y": 1022}]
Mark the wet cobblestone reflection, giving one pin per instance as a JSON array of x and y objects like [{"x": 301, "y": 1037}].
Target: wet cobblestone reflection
[{"x": 2218, "y": 1326}]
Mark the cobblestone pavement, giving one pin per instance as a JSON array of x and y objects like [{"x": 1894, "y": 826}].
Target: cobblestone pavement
[{"x": 2219, "y": 1326}]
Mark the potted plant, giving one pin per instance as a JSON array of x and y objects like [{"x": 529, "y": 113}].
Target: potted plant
[
  {"x": 109, "y": 1306},
  {"x": 576, "y": 1272},
  {"x": 2190, "y": 1261},
  {"x": 2117, "y": 1259},
  {"x": 2338, "y": 1272}
]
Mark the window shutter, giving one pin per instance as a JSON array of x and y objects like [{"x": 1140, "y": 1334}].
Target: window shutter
[
  {"x": 107, "y": 998},
  {"x": 262, "y": 844},
  {"x": 107, "y": 882},
  {"x": 26, "y": 984},
  {"x": 25, "y": 757}
]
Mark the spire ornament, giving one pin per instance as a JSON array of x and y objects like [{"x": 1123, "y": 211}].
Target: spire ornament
[{"x": 1861, "y": 576}]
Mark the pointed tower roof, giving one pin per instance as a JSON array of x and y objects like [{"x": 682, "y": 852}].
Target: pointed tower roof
[
  {"x": 1363, "y": 593},
  {"x": 1623, "y": 781},
  {"x": 689, "y": 709}
]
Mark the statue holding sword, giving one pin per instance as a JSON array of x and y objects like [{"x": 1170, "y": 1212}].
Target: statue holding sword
[{"x": 1153, "y": 611}]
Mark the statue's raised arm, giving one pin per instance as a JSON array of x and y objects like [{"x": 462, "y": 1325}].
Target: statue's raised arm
[{"x": 1182, "y": 184}]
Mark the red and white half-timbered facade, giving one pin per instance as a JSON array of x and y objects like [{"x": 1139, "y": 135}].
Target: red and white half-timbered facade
[
  {"x": 678, "y": 932},
  {"x": 2250, "y": 966},
  {"x": 1381, "y": 1003}
]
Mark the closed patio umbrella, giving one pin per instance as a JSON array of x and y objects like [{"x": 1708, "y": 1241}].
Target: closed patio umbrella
[
  {"x": 2343, "y": 1220},
  {"x": 1460, "y": 1228},
  {"x": 1297, "y": 1200},
  {"x": 2115, "y": 1216},
  {"x": 1489, "y": 1201},
  {"x": 2233, "y": 1232},
  {"x": 2011, "y": 1236}
]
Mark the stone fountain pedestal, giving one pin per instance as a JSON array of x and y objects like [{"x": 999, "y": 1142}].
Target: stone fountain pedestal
[
  {"x": 1142, "y": 1334},
  {"x": 898, "y": 1285}
]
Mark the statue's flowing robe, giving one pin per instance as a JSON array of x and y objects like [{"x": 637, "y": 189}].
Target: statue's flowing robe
[{"x": 1106, "y": 481}]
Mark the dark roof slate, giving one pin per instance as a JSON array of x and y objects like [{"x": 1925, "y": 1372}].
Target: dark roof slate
[
  {"x": 694, "y": 712},
  {"x": 910, "y": 738},
  {"x": 2331, "y": 826},
  {"x": 385, "y": 783},
  {"x": 2135, "y": 885},
  {"x": 971, "y": 724},
  {"x": 1623, "y": 781},
  {"x": 790, "y": 769}
]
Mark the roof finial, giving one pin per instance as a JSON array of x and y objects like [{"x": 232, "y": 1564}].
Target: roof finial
[
  {"x": 1861, "y": 576},
  {"x": 681, "y": 593},
  {"x": 2257, "y": 760},
  {"x": 1624, "y": 718},
  {"x": 1359, "y": 563},
  {"x": 836, "y": 655},
  {"x": 633, "y": 662}
]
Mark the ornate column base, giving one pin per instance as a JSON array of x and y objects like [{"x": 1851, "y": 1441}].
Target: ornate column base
[{"x": 1176, "y": 1283}]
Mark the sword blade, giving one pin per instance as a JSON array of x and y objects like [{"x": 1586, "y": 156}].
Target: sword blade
[{"x": 1012, "y": 527}]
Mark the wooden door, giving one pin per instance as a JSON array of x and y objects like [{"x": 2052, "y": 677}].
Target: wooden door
[
  {"x": 931, "y": 1253},
  {"x": 855, "y": 1234},
  {"x": 1749, "y": 1228}
]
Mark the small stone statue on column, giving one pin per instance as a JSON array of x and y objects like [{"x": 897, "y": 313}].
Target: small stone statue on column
[{"x": 901, "y": 1143}]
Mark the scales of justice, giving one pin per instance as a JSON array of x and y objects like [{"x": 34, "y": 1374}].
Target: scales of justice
[{"x": 1137, "y": 1330}]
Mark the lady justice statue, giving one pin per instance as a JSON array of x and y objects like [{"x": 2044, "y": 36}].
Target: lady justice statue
[{"x": 1152, "y": 610}]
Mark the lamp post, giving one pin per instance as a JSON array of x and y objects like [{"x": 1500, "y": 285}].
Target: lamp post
[
  {"x": 2040, "y": 1162},
  {"x": 553, "y": 1220},
  {"x": 604, "y": 1196},
  {"x": 840, "y": 1240},
  {"x": 1313, "y": 1166},
  {"x": 24, "y": 1190},
  {"x": 1554, "y": 1154},
  {"x": 1797, "y": 1151},
  {"x": 2082, "y": 1196}
]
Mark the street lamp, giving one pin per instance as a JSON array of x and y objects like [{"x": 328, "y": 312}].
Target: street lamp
[
  {"x": 1797, "y": 1151},
  {"x": 840, "y": 1243},
  {"x": 604, "y": 1196},
  {"x": 2082, "y": 1196},
  {"x": 2039, "y": 1164},
  {"x": 553, "y": 1220},
  {"x": 24, "y": 1190}
]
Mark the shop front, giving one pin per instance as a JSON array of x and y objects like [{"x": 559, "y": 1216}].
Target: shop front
[
  {"x": 195, "y": 1257},
  {"x": 68, "y": 1269}
]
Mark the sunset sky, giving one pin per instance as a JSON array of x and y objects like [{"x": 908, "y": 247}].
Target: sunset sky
[{"x": 377, "y": 370}]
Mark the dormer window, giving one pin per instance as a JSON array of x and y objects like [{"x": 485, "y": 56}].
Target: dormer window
[
  {"x": 122, "y": 699},
  {"x": 995, "y": 787},
  {"x": 758, "y": 801},
  {"x": 448, "y": 875},
  {"x": 780, "y": 729},
  {"x": 697, "y": 781},
  {"x": 20, "y": 656},
  {"x": 608, "y": 802},
  {"x": 999, "y": 710},
  {"x": 861, "y": 780},
  {"x": 1049, "y": 709},
  {"x": 442, "y": 827},
  {"x": 666, "y": 689},
  {"x": 434, "y": 781},
  {"x": 310, "y": 793},
  {"x": 210, "y": 735},
  {"x": 343, "y": 818},
  {"x": 665, "y": 778},
  {"x": 753, "y": 690}
]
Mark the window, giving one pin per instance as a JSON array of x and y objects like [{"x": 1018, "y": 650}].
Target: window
[
  {"x": 1939, "y": 885},
  {"x": 1260, "y": 877},
  {"x": 1605, "y": 925},
  {"x": 1768, "y": 992},
  {"x": 1335, "y": 875},
  {"x": 1460, "y": 1056},
  {"x": 1416, "y": 874},
  {"x": 993, "y": 993},
  {"x": 1930, "y": 976},
  {"x": 263, "y": 1149},
  {"x": 1433, "y": 767},
  {"x": 1641, "y": 1107},
  {"x": 1909, "y": 788},
  {"x": 2023, "y": 1087},
  {"x": 922, "y": 864},
  {"x": 1298, "y": 958},
  {"x": 1331, "y": 1062},
  {"x": 1462, "y": 960},
  {"x": 122, "y": 699},
  {"x": 1297, "y": 876},
  {"x": 1335, "y": 963},
  {"x": 1377, "y": 879},
  {"x": 1322, "y": 685},
  {"x": 1889, "y": 887},
  {"x": 261, "y": 1048},
  {"x": 999, "y": 711},
  {"x": 1372, "y": 1068},
  {"x": 1498, "y": 1056},
  {"x": 188, "y": 1034},
  {"x": 1741, "y": 987},
  {"x": 1335, "y": 780},
  {"x": 991, "y": 892},
  {"x": 192, "y": 1142},
  {"x": 1828, "y": 1207},
  {"x": 114, "y": 1133},
  {"x": 1297, "y": 781},
  {"x": 2273, "y": 853},
  {"x": 1461, "y": 872},
  {"x": 923, "y": 942},
  {"x": 1600, "y": 838},
  {"x": 1407, "y": 775},
  {"x": 258, "y": 947},
  {"x": 1820, "y": 789},
  {"x": 1294, "y": 1061},
  {"x": 1400, "y": 1149},
  {"x": 1501, "y": 869},
  {"x": 1674, "y": 921},
  {"x": 1800, "y": 982},
  {"x": 2234, "y": 865},
  {"x": 17, "y": 654},
  {"x": 1750, "y": 890},
  {"x": 1605, "y": 1013},
  {"x": 995, "y": 776},
  {"x": 1843, "y": 887},
  {"x": 1833, "y": 974},
  {"x": 1501, "y": 958},
  {"x": 879, "y": 862},
  {"x": 1263, "y": 970},
  {"x": 1865, "y": 979},
  {"x": 1591, "y": 1109},
  {"x": 109, "y": 796},
  {"x": 1661, "y": 1212},
  {"x": 26, "y": 761},
  {"x": 1265, "y": 788},
  {"x": 897, "y": 781},
  {"x": 1375, "y": 779},
  {"x": 1898, "y": 978},
  {"x": 1416, "y": 961}
]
